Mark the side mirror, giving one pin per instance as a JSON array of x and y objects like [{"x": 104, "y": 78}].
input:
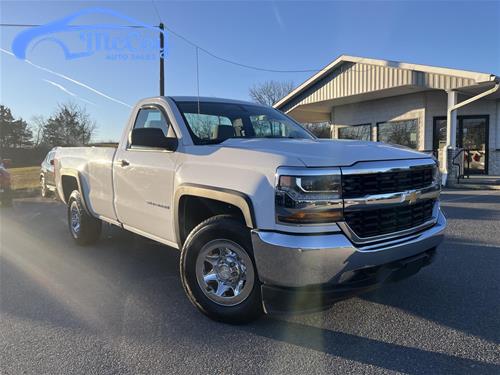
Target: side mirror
[
  {"x": 51, "y": 161},
  {"x": 152, "y": 138}
]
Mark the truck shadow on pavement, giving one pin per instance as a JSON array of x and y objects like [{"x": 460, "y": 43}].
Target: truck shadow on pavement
[
  {"x": 155, "y": 309},
  {"x": 458, "y": 290},
  {"x": 368, "y": 351},
  {"x": 127, "y": 288}
]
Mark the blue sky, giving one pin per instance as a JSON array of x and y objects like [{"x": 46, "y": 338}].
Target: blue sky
[{"x": 291, "y": 35}]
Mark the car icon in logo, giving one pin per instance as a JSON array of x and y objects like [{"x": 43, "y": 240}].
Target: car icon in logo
[{"x": 45, "y": 33}]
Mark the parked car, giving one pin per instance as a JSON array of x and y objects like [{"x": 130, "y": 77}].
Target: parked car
[
  {"x": 47, "y": 181},
  {"x": 268, "y": 218},
  {"x": 5, "y": 190}
]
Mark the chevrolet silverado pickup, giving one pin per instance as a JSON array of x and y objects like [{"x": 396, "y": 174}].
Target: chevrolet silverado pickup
[{"x": 267, "y": 217}]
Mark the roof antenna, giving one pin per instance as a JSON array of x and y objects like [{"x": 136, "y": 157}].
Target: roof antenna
[
  {"x": 162, "y": 59},
  {"x": 198, "y": 78}
]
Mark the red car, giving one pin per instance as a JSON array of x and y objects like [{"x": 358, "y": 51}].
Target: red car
[{"x": 5, "y": 193}]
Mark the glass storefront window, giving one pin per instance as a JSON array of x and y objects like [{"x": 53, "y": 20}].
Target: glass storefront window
[
  {"x": 439, "y": 140},
  {"x": 360, "y": 132},
  {"x": 399, "y": 132}
]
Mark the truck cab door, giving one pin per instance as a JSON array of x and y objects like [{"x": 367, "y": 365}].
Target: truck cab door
[{"x": 143, "y": 180}]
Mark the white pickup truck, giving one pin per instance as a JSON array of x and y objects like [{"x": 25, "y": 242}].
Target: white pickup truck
[{"x": 268, "y": 218}]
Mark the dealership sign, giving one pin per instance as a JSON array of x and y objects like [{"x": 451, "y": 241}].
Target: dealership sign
[{"x": 134, "y": 40}]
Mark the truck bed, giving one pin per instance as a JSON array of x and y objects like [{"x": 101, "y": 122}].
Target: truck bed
[{"x": 94, "y": 166}]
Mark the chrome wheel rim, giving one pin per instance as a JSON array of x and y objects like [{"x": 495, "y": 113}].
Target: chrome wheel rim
[
  {"x": 224, "y": 272},
  {"x": 74, "y": 213}
]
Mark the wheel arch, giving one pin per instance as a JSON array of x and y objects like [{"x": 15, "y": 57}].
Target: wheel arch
[
  {"x": 235, "y": 199},
  {"x": 71, "y": 181}
]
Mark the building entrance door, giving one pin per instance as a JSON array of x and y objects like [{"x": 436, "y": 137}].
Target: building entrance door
[{"x": 472, "y": 136}]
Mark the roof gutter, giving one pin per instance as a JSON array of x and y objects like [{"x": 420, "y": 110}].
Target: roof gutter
[{"x": 453, "y": 108}]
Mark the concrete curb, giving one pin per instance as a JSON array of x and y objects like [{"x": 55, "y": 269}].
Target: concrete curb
[{"x": 469, "y": 186}]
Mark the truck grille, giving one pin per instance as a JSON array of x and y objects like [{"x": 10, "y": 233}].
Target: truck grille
[
  {"x": 369, "y": 223},
  {"x": 360, "y": 185}
]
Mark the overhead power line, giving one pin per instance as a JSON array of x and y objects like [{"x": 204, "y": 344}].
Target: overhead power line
[
  {"x": 215, "y": 56},
  {"x": 156, "y": 10},
  {"x": 228, "y": 61},
  {"x": 36, "y": 25},
  {"x": 195, "y": 45}
]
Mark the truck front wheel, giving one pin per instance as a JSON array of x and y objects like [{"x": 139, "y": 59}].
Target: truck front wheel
[
  {"x": 218, "y": 271},
  {"x": 84, "y": 228}
]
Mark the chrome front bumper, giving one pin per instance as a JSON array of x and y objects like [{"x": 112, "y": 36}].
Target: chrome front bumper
[{"x": 289, "y": 260}]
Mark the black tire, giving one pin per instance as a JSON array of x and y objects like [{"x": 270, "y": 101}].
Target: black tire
[
  {"x": 89, "y": 227},
  {"x": 224, "y": 228}
]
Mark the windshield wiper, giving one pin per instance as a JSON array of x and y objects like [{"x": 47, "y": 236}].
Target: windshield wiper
[
  {"x": 209, "y": 141},
  {"x": 278, "y": 137}
]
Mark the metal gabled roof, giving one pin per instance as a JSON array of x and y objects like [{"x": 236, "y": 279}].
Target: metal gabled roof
[{"x": 350, "y": 75}]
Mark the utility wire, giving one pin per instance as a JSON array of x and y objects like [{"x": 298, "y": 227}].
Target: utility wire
[
  {"x": 235, "y": 62},
  {"x": 198, "y": 78},
  {"x": 193, "y": 44},
  {"x": 35, "y": 25},
  {"x": 200, "y": 48},
  {"x": 156, "y": 10}
]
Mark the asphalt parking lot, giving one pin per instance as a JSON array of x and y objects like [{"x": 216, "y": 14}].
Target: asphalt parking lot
[{"x": 119, "y": 308}]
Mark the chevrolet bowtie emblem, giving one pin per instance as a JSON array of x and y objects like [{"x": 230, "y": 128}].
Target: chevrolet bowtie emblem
[{"x": 412, "y": 197}]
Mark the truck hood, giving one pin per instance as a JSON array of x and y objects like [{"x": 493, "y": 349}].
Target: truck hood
[{"x": 326, "y": 152}]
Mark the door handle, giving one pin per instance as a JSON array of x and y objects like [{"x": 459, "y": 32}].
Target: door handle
[{"x": 124, "y": 163}]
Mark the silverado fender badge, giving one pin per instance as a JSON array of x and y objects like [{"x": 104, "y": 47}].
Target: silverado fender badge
[{"x": 158, "y": 205}]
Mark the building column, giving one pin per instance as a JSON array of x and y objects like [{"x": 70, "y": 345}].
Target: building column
[
  {"x": 451, "y": 121},
  {"x": 451, "y": 137},
  {"x": 333, "y": 130}
]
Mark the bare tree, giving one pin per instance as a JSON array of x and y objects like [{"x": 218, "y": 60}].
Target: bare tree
[
  {"x": 37, "y": 126},
  {"x": 70, "y": 125},
  {"x": 269, "y": 92}
]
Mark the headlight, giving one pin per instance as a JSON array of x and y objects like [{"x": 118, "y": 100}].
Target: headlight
[{"x": 308, "y": 196}]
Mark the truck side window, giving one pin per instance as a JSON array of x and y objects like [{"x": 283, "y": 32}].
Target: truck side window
[
  {"x": 268, "y": 127},
  {"x": 152, "y": 118},
  {"x": 212, "y": 127}
]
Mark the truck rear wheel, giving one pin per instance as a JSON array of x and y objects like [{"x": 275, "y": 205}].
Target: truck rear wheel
[
  {"x": 84, "y": 228},
  {"x": 218, "y": 271}
]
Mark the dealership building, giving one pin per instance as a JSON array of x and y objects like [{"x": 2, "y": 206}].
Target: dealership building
[{"x": 424, "y": 107}]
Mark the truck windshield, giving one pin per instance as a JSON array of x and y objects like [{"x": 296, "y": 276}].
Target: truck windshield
[{"x": 211, "y": 122}]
